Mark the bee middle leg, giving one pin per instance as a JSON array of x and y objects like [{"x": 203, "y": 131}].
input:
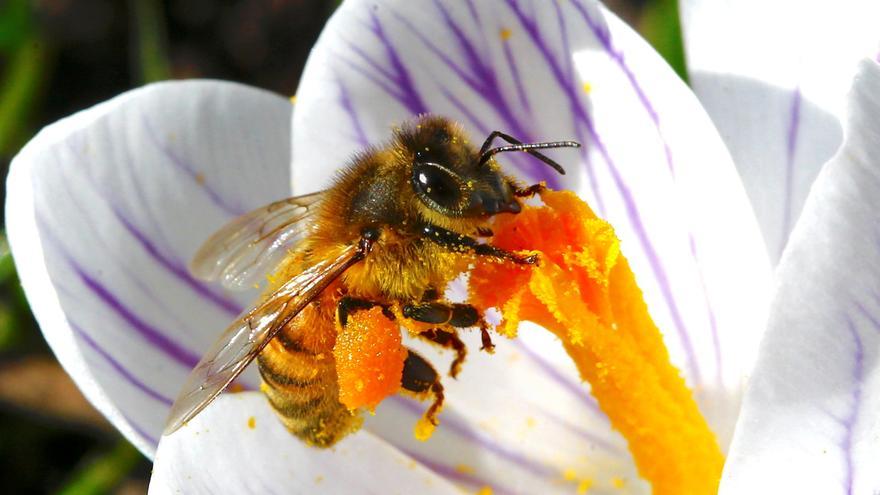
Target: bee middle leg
[
  {"x": 455, "y": 315},
  {"x": 448, "y": 339}
]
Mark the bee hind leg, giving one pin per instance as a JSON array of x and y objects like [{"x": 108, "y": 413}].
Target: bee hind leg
[
  {"x": 448, "y": 339},
  {"x": 420, "y": 378}
]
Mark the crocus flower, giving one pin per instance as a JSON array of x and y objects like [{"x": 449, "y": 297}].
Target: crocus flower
[{"x": 105, "y": 208}]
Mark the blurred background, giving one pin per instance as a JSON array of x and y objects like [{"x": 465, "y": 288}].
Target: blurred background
[{"x": 61, "y": 56}]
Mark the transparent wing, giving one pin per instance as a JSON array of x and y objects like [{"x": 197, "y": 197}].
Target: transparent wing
[
  {"x": 246, "y": 249},
  {"x": 246, "y": 337}
]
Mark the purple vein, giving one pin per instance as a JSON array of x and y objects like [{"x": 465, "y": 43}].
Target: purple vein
[
  {"x": 189, "y": 170},
  {"x": 450, "y": 473},
  {"x": 604, "y": 38},
  {"x": 625, "y": 194},
  {"x": 566, "y": 86},
  {"x": 576, "y": 389},
  {"x": 229, "y": 306},
  {"x": 345, "y": 103},
  {"x": 484, "y": 81},
  {"x": 149, "y": 333},
  {"x": 142, "y": 432},
  {"x": 119, "y": 368},
  {"x": 411, "y": 97},
  {"x": 374, "y": 72},
  {"x": 794, "y": 121},
  {"x": 849, "y": 423},
  {"x": 453, "y": 425},
  {"x": 713, "y": 323}
]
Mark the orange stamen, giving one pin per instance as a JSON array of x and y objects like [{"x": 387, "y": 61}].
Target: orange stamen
[{"x": 585, "y": 293}]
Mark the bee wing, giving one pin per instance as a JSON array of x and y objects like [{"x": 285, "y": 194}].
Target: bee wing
[
  {"x": 243, "y": 251},
  {"x": 248, "y": 335}
]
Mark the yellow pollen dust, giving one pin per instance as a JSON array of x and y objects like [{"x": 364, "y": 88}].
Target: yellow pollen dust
[
  {"x": 584, "y": 291},
  {"x": 293, "y": 99},
  {"x": 587, "y": 88},
  {"x": 465, "y": 469},
  {"x": 252, "y": 422},
  {"x": 505, "y": 34},
  {"x": 486, "y": 490},
  {"x": 424, "y": 429}
]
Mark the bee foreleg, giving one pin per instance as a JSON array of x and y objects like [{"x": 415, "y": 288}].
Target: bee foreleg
[
  {"x": 528, "y": 192},
  {"x": 420, "y": 378},
  {"x": 348, "y": 305},
  {"x": 462, "y": 243},
  {"x": 448, "y": 339}
]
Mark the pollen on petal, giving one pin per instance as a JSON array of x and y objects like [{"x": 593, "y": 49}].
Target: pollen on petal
[
  {"x": 585, "y": 293},
  {"x": 424, "y": 429},
  {"x": 505, "y": 34}
]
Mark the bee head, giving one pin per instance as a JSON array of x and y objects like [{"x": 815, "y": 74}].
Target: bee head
[{"x": 452, "y": 177}]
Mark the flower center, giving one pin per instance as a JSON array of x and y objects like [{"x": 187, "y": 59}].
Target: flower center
[{"x": 585, "y": 293}]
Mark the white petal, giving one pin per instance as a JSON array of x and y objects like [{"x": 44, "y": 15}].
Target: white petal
[
  {"x": 810, "y": 416},
  {"x": 518, "y": 421},
  {"x": 773, "y": 76},
  {"x": 104, "y": 210},
  {"x": 652, "y": 162},
  {"x": 237, "y": 445}
]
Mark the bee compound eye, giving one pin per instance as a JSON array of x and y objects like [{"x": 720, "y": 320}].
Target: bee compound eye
[{"x": 437, "y": 185}]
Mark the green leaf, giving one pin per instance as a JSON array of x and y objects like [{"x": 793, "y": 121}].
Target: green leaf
[
  {"x": 16, "y": 24},
  {"x": 105, "y": 472},
  {"x": 660, "y": 25},
  {"x": 152, "y": 60}
]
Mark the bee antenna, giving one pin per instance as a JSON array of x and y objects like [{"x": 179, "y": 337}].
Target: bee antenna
[{"x": 516, "y": 145}]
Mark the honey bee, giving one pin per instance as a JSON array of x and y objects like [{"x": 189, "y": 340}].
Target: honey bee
[{"x": 398, "y": 224}]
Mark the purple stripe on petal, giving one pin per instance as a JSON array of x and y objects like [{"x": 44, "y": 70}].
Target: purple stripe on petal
[
  {"x": 345, "y": 103},
  {"x": 151, "y": 334},
  {"x": 849, "y": 422},
  {"x": 456, "y": 475},
  {"x": 142, "y": 432},
  {"x": 577, "y": 389},
  {"x": 626, "y": 195},
  {"x": 870, "y": 317},
  {"x": 119, "y": 368},
  {"x": 410, "y": 97},
  {"x": 181, "y": 273},
  {"x": 713, "y": 323},
  {"x": 452, "y": 424},
  {"x": 584, "y": 434},
  {"x": 794, "y": 121},
  {"x": 190, "y": 171},
  {"x": 517, "y": 78}
]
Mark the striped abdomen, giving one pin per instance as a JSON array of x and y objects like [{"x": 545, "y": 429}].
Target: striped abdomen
[{"x": 299, "y": 377}]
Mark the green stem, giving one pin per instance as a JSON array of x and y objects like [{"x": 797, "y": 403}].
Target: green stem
[
  {"x": 19, "y": 89},
  {"x": 104, "y": 473},
  {"x": 660, "y": 25},
  {"x": 152, "y": 61}
]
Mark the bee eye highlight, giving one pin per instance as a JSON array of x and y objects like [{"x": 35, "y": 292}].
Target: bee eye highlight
[{"x": 437, "y": 187}]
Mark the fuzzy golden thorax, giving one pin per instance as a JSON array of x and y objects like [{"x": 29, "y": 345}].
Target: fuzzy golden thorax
[{"x": 427, "y": 175}]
